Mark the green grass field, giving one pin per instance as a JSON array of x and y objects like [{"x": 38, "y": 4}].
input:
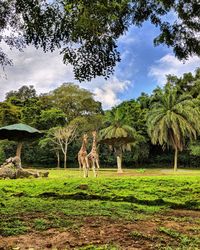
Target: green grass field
[{"x": 167, "y": 202}]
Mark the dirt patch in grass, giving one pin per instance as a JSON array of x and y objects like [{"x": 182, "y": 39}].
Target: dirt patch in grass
[
  {"x": 184, "y": 213},
  {"x": 176, "y": 229}
]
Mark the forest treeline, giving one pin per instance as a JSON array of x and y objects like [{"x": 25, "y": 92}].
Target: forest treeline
[{"x": 72, "y": 111}]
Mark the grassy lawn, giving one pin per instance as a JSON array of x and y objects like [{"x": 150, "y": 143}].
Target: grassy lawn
[{"x": 153, "y": 208}]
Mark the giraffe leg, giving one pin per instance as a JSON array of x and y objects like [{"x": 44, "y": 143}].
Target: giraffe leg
[
  {"x": 81, "y": 168},
  {"x": 97, "y": 164},
  {"x": 87, "y": 165},
  {"x": 94, "y": 168},
  {"x": 87, "y": 162},
  {"x": 84, "y": 171},
  {"x": 79, "y": 163}
]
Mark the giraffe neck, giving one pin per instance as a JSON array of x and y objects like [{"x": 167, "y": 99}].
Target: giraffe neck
[
  {"x": 94, "y": 144},
  {"x": 83, "y": 147}
]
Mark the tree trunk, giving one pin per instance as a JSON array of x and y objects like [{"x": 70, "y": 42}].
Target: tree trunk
[
  {"x": 119, "y": 164},
  {"x": 65, "y": 161},
  {"x": 175, "y": 159},
  {"x": 58, "y": 159},
  {"x": 118, "y": 152},
  {"x": 19, "y": 149}
]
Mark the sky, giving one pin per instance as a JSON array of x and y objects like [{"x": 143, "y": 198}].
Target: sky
[{"x": 142, "y": 68}]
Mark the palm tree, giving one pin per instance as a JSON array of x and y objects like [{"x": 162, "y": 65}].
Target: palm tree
[
  {"x": 118, "y": 136},
  {"x": 173, "y": 118}
]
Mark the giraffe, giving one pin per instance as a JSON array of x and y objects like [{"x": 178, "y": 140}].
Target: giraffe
[
  {"x": 82, "y": 159},
  {"x": 93, "y": 156}
]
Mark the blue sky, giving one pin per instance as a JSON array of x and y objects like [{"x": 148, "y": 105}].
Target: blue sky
[
  {"x": 141, "y": 54},
  {"x": 139, "y": 65},
  {"x": 141, "y": 69}
]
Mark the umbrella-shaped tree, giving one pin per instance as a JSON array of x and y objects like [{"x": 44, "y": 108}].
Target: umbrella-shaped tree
[
  {"x": 118, "y": 135},
  {"x": 19, "y": 133}
]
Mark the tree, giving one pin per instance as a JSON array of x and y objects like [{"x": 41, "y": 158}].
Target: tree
[
  {"x": 173, "y": 118},
  {"x": 73, "y": 101},
  {"x": 30, "y": 113},
  {"x": 22, "y": 94},
  {"x": 88, "y": 123},
  {"x": 52, "y": 118},
  {"x": 9, "y": 114},
  {"x": 144, "y": 100},
  {"x": 65, "y": 136},
  {"x": 134, "y": 115},
  {"x": 26, "y": 101},
  {"x": 195, "y": 90},
  {"x": 118, "y": 135},
  {"x": 195, "y": 148},
  {"x": 86, "y": 32},
  {"x": 60, "y": 138},
  {"x": 19, "y": 133},
  {"x": 189, "y": 82},
  {"x": 50, "y": 140}
]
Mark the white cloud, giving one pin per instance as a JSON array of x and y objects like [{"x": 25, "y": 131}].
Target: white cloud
[
  {"x": 108, "y": 91},
  {"x": 127, "y": 39},
  {"x": 46, "y": 71},
  {"x": 169, "y": 64},
  {"x": 33, "y": 67}
]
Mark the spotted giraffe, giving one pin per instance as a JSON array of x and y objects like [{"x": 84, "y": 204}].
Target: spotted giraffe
[
  {"x": 93, "y": 156},
  {"x": 82, "y": 157}
]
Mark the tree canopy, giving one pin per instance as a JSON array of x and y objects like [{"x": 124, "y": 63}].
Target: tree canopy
[
  {"x": 86, "y": 32},
  {"x": 22, "y": 94},
  {"x": 72, "y": 100}
]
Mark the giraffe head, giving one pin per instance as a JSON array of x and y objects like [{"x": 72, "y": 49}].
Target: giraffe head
[
  {"x": 85, "y": 137},
  {"x": 94, "y": 134}
]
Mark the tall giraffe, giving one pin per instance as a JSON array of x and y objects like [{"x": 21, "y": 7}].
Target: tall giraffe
[
  {"x": 82, "y": 156},
  {"x": 93, "y": 156}
]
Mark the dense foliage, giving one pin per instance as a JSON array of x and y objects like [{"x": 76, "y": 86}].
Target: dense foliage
[
  {"x": 170, "y": 115},
  {"x": 86, "y": 32}
]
